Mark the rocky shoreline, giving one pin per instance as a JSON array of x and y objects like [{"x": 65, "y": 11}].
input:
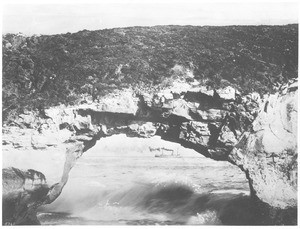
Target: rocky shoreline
[
  {"x": 228, "y": 92},
  {"x": 259, "y": 135}
]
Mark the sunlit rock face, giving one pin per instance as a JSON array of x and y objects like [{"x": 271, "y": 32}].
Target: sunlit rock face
[
  {"x": 187, "y": 114},
  {"x": 209, "y": 121},
  {"x": 268, "y": 153}
]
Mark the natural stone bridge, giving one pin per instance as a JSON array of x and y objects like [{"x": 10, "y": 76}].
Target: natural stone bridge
[{"x": 259, "y": 135}]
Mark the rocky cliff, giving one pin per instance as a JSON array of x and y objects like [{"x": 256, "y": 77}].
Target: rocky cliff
[
  {"x": 258, "y": 135},
  {"x": 223, "y": 121},
  {"x": 268, "y": 153}
]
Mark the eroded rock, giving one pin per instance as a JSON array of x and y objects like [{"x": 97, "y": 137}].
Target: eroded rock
[
  {"x": 268, "y": 153},
  {"x": 257, "y": 136},
  {"x": 22, "y": 193},
  {"x": 25, "y": 190}
]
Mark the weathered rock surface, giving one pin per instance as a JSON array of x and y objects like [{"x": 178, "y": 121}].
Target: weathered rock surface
[
  {"x": 268, "y": 153},
  {"x": 184, "y": 113},
  {"x": 22, "y": 193},
  {"x": 257, "y": 135}
]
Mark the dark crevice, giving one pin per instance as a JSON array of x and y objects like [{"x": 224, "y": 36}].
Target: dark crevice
[
  {"x": 266, "y": 107},
  {"x": 215, "y": 132},
  {"x": 176, "y": 120},
  {"x": 171, "y": 133},
  {"x": 206, "y": 102}
]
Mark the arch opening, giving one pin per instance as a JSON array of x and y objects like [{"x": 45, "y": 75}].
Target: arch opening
[{"x": 120, "y": 180}]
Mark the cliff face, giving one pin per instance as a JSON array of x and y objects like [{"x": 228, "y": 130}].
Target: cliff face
[
  {"x": 257, "y": 135},
  {"x": 268, "y": 153},
  {"x": 219, "y": 116},
  {"x": 209, "y": 121}
]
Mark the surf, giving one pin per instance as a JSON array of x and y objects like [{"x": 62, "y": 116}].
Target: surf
[{"x": 130, "y": 186}]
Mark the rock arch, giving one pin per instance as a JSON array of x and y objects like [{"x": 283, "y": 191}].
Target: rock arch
[{"x": 216, "y": 123}]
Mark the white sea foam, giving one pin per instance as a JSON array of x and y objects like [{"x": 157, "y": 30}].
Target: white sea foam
[{"x": 232, "y": 191}]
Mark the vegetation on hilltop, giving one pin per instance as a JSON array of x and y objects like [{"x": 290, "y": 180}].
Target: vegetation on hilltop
[{"x": 41, "y": 71}]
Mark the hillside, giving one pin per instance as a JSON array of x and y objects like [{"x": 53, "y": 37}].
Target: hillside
[{"x": 42, "y": 71}]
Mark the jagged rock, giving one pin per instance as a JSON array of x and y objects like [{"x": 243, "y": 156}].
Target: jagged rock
[
  {"x": 82, "y": 122},
  {"x": 227, "y": 93},
  {"x": 143, "y": 129},
  {"x": 265, "y": 149},
  {"x": 212, "y": 114},
  {"x": 25, "y": 190},
  {"x": 195, "y": 132},
  {"x": 227, "y": 137},
  {"x": 181, "y": 108},
  {"x": 22, "y": 193},
  {"x": 268, "y": 154}
]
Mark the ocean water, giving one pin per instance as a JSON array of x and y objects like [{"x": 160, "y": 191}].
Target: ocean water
[{"x": 130, "y": 186}]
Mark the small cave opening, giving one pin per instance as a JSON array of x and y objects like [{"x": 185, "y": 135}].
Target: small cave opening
[{"x": 129, "y": 180}]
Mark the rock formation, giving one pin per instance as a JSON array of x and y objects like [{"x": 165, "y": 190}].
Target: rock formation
[
  {"x": 257, "y": 135},
  {"x": 268, "y": 153},
  {"x": 191, "y": 91},
  {"x": 24, "y": 191}
]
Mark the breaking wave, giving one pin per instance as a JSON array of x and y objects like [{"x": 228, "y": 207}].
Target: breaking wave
[
  {"x": 162, "y": 203},
  {"x": 114, "y": 188}
]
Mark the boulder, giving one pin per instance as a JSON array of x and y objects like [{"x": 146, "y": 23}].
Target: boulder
[{"x": 23, "y": 191}]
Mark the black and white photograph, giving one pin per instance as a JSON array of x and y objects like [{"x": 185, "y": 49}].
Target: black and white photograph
[{"x": 150, "y": 113}]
